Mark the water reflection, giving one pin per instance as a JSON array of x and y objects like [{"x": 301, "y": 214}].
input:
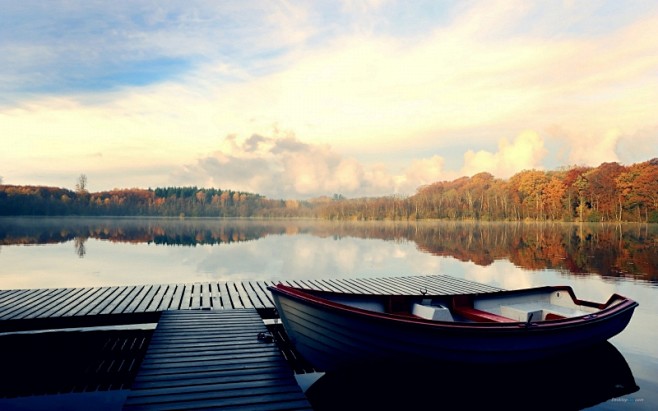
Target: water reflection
[
  {"x": 610, "y": 250},
  {"x": 580, "y": 380},
  {"x": 80, "y": 249}
]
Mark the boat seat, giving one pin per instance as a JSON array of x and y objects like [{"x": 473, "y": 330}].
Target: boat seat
[
  {"x": 538, "y": 311},
  {"x": 474, "y": 314},
  {"x": 462, "y": 305},
  {"x": 431, "y": 312}
]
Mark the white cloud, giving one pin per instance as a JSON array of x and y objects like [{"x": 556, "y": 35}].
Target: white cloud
[
  {"x": 594, "y": 150},
  {"x": 419, "y": 173},
  {"x": 282, "y": 166},
  {"x": 376, "y": 112},
  {"x": 525, "y": 152}
]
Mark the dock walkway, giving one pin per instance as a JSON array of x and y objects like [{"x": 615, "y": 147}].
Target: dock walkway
[
  {"x": 205, "y": 351},
  {"x": 96, "y": 306},
  {"x": 214, "y": 359}
]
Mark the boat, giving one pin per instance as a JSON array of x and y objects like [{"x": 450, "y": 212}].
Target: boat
[{"x": 334, "y": 330}]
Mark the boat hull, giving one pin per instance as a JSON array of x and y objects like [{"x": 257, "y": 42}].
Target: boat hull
[{"x": 333, "y": 337}]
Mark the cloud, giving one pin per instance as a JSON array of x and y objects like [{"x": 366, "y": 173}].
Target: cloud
[
  {"x": 456, "y": 80},
  {"x": 593, "y": 151},
  {"x": 282, "y": 166},
  {"x": 84, "y": 46},
  {"x": 421, "y": 172},
  {"x": 525, "y": 152},
  {"x": 377, "y": 107}
]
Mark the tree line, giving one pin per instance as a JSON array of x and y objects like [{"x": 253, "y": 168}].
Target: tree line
[
  {"x": 165, "y": 202},
  {"x": 609, "y": 192}
]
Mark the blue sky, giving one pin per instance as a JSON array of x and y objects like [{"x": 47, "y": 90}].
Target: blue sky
[{"x": 300, "y": 99}]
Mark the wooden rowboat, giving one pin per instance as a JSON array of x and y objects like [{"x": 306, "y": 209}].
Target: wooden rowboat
[{"x": 339, "y": 330}]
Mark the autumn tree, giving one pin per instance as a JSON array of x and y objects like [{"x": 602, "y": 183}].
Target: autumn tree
[
  {"x": 554, "y": 193},
  {"x": 476, "y": 191},
  {"x": 531, "y": 185},
  {"x": 602, "y": 190},
  {"x": 573, "y": 198},
  {"x": 639, "y": 188}
]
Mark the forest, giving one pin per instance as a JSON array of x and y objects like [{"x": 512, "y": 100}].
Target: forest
[{"x": 610, "y": 192}]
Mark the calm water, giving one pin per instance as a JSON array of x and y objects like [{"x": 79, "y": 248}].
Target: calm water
[{"x": 596, "y": 260}]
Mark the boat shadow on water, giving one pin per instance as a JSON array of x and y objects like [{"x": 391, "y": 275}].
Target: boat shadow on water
[{"x": 570, "y": 382}]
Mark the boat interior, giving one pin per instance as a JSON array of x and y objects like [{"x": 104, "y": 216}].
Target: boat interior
[{"x": 531, "y": 306}]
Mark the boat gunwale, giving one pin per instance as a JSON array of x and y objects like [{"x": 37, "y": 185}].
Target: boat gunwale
[{"x": 606, "y": 311}]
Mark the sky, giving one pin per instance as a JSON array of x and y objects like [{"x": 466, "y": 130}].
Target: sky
[{"x": 298, "y": 99}]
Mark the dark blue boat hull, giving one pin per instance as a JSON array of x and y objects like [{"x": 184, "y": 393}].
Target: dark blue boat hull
[{"x": 332, "y": 337}]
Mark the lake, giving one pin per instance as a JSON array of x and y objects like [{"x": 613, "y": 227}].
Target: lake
[{"x": 595, "y": 259}]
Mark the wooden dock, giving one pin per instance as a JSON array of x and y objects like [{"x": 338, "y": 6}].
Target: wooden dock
[
  {"x": 32, "y": 309},
  {"x": 205, "y": 351},
  {"x": 214, "y": 359}
]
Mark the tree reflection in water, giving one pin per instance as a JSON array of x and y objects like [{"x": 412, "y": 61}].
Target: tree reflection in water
[
  {"x": 79, "y": 243},
  {"x": 611, "y": 250}
]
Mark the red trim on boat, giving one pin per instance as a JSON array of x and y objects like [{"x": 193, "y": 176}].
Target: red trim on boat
[
  {"x": 462, "y": 305},
  {"x": 464, "y": 301},
  {"x": 551, "y": 316},
  {"x": 474, "y": 314}
]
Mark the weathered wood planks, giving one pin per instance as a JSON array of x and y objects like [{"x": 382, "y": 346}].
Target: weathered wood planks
[
  {"x": 109, "y": 302},
  {"x": 214, "y": 359}
]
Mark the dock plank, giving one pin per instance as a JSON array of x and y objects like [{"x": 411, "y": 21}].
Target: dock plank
[
  {"x": 264, "y": 297},
  {"x": 133, "y": 299},
  {"x": 251, "y": 294},
  {"x": 378, "y": 287},
  {"x": 137, "y": 299},
  {"x": 110, "y": 303},
  {"x": 216, "y": 297},
  {"x": 344, "y": 286},
  {"x": 156, "y": 299},
  {"x": 402, "y": 287},
  {"x": 151, "y": 295},
  {"x": 167, "y": 298},
  {"x": 19, "y": 296},
  {"x": 6, "y": 296},
  {"x": 43, "y": 304},
  {"x": 28, "y": 303},
  {"x": 179, "y": 374},
  {"x": 62, "y": 303},
  {"x": 319, "y": 285},
  {"x": 88, "y": 305},
  {"x": 177, "y": 297},
  {"x": 108, "y": 298},
  {"x": 310, "y": 284},
  {"x": 24, "y": 305},
  {"x": 204, "y": 295},
  {"x": 185, "y": 297},
  {"x": 234, "y": 296}
]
